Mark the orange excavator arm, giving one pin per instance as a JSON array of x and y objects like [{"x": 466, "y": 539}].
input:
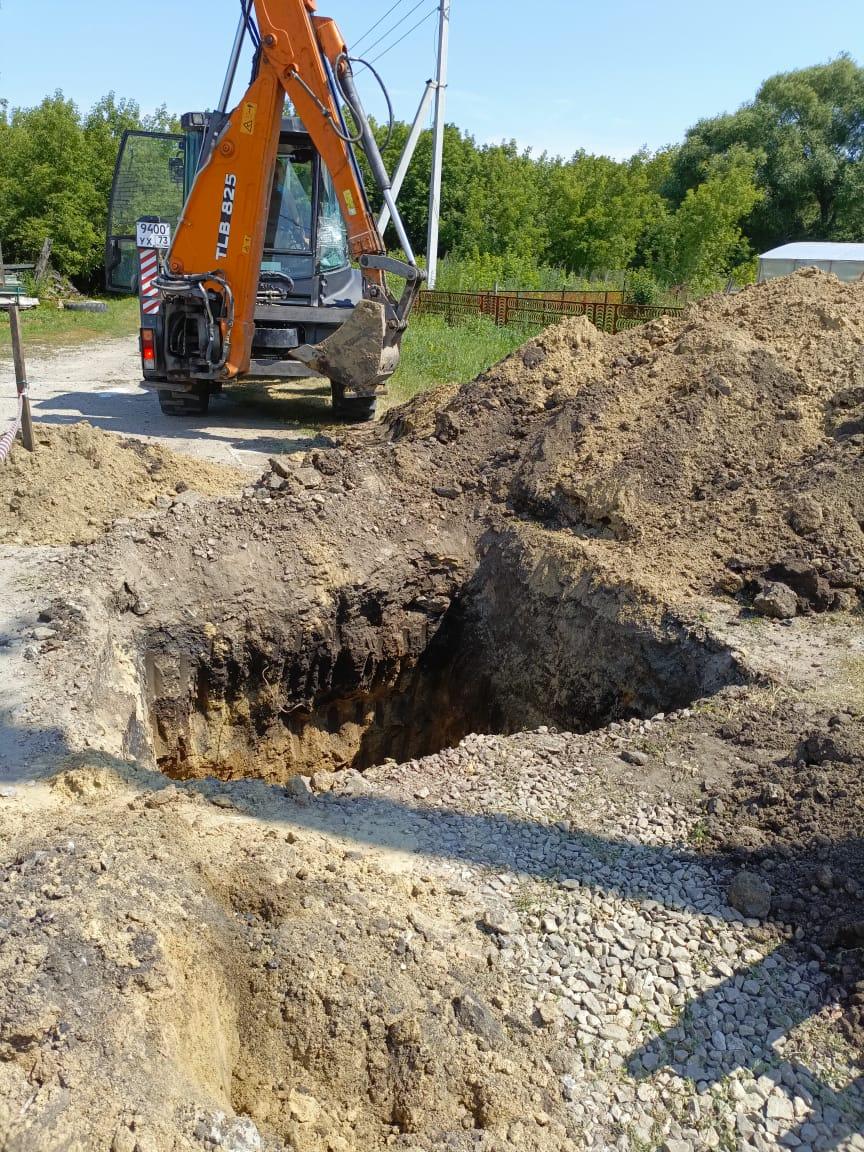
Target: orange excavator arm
[{"x": 217, "y": 250}]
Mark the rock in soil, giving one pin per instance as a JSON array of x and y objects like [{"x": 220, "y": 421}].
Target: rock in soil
[{"x": 750, "y": 895}]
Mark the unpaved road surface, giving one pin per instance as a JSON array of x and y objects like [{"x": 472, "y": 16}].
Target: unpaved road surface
[
  {"x": 99, "y": 383},
  {"x": 490, "y": 779}
]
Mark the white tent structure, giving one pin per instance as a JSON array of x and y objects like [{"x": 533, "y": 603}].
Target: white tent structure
[{"x": 846, "y": 261}]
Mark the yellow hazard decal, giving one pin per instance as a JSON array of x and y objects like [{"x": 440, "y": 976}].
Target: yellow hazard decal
[
  {"x": 247, "y": 117},
  {"x": 349, "y": 203},
  {"x": 246, "y": 247}
]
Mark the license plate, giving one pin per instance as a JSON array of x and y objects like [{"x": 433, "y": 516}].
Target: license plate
[{"x": 149, "y": 235}]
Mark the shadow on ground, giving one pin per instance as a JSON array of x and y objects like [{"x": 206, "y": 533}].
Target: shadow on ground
[
  {"x": 290, "y": 418},
  {"x": 730, "y": 1018}
]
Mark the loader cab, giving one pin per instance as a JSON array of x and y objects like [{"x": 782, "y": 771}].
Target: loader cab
[
  {"x": 307, "y": 287},
  {"x": 150, "y": 179},
  {"x": 305, "y": 242},
  {"x": 305, "y": 238}
]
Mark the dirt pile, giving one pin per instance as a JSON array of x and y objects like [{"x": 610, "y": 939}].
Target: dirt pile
[
  {"x": 701, "y": 454},
  {"x": 80, "y": 479}
]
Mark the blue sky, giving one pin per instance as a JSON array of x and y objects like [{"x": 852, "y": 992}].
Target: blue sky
[{"x": 558, "y": 76}]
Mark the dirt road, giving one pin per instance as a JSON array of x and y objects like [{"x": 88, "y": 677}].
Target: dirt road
[{"x": 99, "y": 383}]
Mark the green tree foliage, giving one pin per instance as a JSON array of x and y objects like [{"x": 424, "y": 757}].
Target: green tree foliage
[
  {"x": 56, "y": 167},
  {"x": 787, "y": 165},
  {"x": 598, "y": 210},
  {"x": 805, "y": 132},
  {"x": 703, "y": 241},
  {"x": 47, "y": 186}
]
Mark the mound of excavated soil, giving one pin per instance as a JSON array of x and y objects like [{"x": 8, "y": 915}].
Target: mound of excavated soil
[
  {"x": 699, "y": 454},
  {"x": 81, "y": 478}
]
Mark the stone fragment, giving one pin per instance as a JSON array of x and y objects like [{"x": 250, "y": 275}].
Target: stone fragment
[
  {"x": 750, "y": 895},
  {"x": 632, "y": 756},
  {"x": 546, "y": 1013},
  {"x": 304, "y": 1108},
  {"x": 776, "y": 601},
  {"x": 779, "y": 1107},
  {"x": 569, "y": 1087},
  {"x": 124, "y": 1140},
  {"x": 299, "y": 788},
  {"x": 805, "y": 516},
  {"x": 476, "y": 1017},
  {"x": 278, "y": 467},
  {"x": 352, "y": 783},
  {"x": 497, "y": 922},
  {"x": 243, "y": 1136}
]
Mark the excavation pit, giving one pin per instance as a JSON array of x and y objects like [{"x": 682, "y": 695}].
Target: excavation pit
[{"x": 376, "y": 680}]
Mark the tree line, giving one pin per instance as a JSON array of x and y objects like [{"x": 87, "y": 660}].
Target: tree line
[{"x": 785, "y": 166}]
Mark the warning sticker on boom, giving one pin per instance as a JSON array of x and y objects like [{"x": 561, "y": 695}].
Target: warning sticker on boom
[{"x": 247, "y": 117}]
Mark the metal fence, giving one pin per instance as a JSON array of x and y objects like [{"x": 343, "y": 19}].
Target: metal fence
[{"x": 604, "y": 309}]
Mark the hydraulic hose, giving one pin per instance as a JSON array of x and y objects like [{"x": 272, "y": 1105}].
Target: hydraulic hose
[{"x": 348, "y": 90}]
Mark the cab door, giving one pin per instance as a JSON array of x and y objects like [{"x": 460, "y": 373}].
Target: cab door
[{"x": 149, "y": 180}]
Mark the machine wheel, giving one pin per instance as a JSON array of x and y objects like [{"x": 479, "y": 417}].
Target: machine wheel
[
  {"x": 177, "y": 403},
  {"x": 352, "y": 409}
]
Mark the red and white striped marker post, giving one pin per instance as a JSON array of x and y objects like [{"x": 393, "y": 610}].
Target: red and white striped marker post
[{"x": 148, "y": 270}]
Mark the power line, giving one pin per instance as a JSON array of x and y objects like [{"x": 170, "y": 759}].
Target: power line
[
  {"x": 368, "y": 31},
  {"x": 393, "y": 27},
  {"x": 405, "y": 36}
]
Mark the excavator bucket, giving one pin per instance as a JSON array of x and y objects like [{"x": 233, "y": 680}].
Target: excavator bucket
[{"x": 356, "y": 357}]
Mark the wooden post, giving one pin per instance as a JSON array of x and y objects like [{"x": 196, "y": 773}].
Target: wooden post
[
  {"x": 21, "y": 377},
  {"x": 42, "y": 262}
]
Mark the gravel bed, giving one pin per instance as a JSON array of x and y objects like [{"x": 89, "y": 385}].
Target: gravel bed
[{"x": 678, "y": 1023}]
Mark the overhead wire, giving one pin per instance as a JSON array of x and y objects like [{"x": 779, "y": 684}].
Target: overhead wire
[
  {"x": 393, "y": 27},
  {"x": 377, "y": 24},
  {"x": 390, "y": 47}
]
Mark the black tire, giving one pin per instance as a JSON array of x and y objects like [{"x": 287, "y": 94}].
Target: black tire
[
  {"x": 352, "y": 409},
  {"x": 85, "y": 306},
  {"x": 192, "y": 403}
]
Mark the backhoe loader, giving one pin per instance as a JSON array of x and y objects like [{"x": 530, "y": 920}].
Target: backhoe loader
[{"x": 276, "y": 267}]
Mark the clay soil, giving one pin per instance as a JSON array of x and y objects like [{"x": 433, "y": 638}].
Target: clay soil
[{"x": 205, "y": 949}]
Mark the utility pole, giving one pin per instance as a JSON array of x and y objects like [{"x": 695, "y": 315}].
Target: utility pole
[
  {"x": 407, "y": 153},
  {"x": 438, "y": 144}
]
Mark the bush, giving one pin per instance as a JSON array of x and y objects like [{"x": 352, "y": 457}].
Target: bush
[
  {"x": 642, "y": 288},
  {"x": 509, "y": 272}
]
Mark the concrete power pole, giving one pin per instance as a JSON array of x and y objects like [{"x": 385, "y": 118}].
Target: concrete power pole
[{"x": 438, "y": 144}]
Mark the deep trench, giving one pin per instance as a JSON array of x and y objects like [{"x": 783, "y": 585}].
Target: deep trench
[{"x": 517, "y": 647}]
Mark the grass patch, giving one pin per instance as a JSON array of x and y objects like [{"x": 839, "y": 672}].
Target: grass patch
[
  {"x": 50, "y": 327},
  {"x": 435, "y": 352}
]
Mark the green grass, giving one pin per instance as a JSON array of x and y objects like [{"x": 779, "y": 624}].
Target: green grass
[
  {"x": 50, "y": 327},
  {"x": 434, "y": 352}
]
